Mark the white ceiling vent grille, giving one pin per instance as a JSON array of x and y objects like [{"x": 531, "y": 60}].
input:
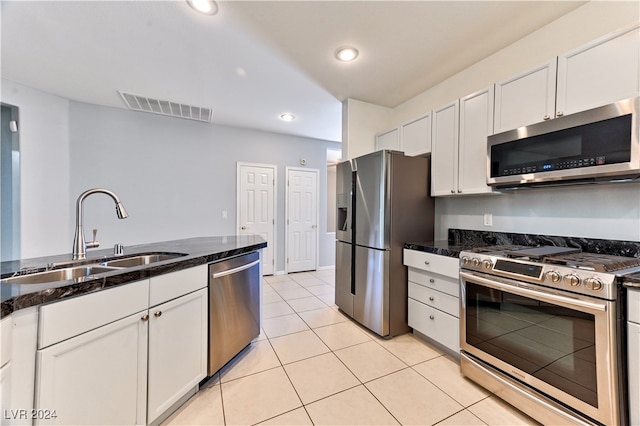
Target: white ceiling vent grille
[{"x": 173, "y": 109}]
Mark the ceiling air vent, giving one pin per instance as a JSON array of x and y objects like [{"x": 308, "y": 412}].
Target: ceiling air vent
[{"x": 173, "y": 109}]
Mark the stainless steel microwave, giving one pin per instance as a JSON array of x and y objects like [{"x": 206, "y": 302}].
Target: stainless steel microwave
[{"x": 597, "y": 145}]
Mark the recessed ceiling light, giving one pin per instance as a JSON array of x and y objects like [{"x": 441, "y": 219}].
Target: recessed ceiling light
[
  {"x": 206, "y": 7},
  {"x": 346, "y": 54},
  {"x": 287, "y": 117}
]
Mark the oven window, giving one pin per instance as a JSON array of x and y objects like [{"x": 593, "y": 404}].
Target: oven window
[{"x": 550, "y": 342}]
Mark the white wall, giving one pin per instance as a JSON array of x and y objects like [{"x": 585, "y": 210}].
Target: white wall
[
  {"x": 360, "y": 123},
  {"x": 44, "y": 170},
  {"x": 597, "y": 211},
  {"x": 175, "y": 176}
]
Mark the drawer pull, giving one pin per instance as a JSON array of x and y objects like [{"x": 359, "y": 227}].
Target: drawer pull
[
  {"x": 157, "y": 314},
  {"x": 431, "y": 298},
  {"x": 145, "y": 318},
  {"x": 431, "y": 280},
  {"x": 426, "y": 262},
  {"x": 431, "y": 317}
]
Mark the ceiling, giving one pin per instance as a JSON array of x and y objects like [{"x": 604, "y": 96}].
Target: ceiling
[{"x": 257, "y": 59}]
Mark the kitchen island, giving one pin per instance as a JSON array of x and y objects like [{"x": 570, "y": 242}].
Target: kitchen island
[
  {"x": 193, "y": 251},
  {"x": 126, "y": 345}
]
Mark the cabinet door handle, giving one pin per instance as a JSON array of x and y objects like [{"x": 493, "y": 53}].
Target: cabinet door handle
[
  {"x": 426, "y": 262},
  {"x": 559, "y": 114},
  {"x": 431, "y": 298},
  {"x": 431, "y": 317},
  {"x": 546, "y": 117},
  {"x": 431, "y": 280},
  {"x": 145, "y": 317},
  {"x": 157, "y": 314}
]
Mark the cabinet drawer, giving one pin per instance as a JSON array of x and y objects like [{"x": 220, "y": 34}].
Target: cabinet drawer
[
  {"x": 438, "y": 282},
  {"x": 443, "y": 265},
  {"x": 435, "y": 299},
  {"x": 634, "y": 305},
  {"x": 169, "y": 286},
  {"x": 441, "y": 327},
  {"x": 68, "y": 318}
]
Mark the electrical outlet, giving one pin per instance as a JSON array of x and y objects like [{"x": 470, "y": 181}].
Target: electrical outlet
[{"x": 488, "y": 219}]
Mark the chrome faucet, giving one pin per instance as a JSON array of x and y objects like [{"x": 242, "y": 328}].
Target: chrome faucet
[{"x": 79, "y": 243}]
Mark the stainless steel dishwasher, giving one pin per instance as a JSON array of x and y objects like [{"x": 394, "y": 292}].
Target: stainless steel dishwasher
[{"x": 234, "y": 307}]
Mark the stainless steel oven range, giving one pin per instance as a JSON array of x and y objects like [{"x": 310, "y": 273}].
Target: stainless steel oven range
[{"x": 543, "y": 328}]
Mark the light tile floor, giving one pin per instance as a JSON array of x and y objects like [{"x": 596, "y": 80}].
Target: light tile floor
[{"x": 312, "y": 365}]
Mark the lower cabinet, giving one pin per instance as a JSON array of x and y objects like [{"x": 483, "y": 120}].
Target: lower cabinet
[
  {"x": 633, "y": 334},
  {"x": 111, "y": 358},
  {"x": 177, "y": 350},
  {"x": 433, "y": 304},
  {"x": 99, "y": 377}
]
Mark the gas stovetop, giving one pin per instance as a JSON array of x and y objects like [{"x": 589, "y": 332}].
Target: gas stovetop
[
  {"x": 564, "y": 268},
  {"x": 567, "y": 256}
]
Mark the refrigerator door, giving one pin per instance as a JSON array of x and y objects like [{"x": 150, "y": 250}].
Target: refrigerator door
[
  {"x": 371, "y": 200},
  {"x": 344, "y": 290},
  {"x": 344, "y": 194},
  {"x": 371, "y": 300}
]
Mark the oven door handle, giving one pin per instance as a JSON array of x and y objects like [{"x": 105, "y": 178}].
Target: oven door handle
[{"x": 537, "y": 293}]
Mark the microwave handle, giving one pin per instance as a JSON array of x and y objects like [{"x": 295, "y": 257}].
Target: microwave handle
[{"x": 523, "y": 289}]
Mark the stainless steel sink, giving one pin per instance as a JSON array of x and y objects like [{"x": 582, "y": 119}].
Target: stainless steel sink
[
  {"x": 80, "y": 271},
  {"x": 59, "y": 274},
  {"x": 142, "y": 259}
]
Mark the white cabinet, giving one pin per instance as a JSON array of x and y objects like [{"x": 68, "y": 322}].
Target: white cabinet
[
  {"x": 433, "y": 304},
  {"x": 600, "y": 72},
  {"x": 91, "y": 366},
  {"x": 526, "y": 98},
  {"x": 123, "y": 355},
  {"x": 388, "y": 140},
  {"x": 634, "y": 355},
  {"x": 99, "y": 377},
  {"x": 177, "y": 350},
  {"x": 415, "y": 136},
  {"x": 459, "y": 145},
  {"x": 5, "y": 364},
  {"x": 603, "y": 71}
]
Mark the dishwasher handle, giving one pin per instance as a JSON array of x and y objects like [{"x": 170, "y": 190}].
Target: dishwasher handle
[{"x": 235, "y": 270}]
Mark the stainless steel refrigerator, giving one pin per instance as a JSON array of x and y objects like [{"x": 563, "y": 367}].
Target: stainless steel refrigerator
[{"x": 382, "y": 202}]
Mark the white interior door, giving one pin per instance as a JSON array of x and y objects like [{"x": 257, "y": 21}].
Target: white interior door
[
  {"x": 302, "y": 219},
  {"x": 256, "y": 207}
]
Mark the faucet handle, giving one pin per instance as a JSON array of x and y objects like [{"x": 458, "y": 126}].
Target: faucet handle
[{"x": 94, "y": 243}]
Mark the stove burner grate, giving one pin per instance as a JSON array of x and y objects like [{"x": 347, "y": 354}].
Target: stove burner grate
[{"x": 594, "y": 261}]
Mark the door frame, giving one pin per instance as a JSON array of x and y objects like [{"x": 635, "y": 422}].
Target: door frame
[
  {"x": 239, "y": 166},
  {"x": 286, "y": 209}
]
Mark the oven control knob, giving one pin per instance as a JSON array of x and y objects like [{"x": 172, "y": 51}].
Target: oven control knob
[
  {"x": 476, "y": 261},
  {"x": 593, "y": 283},
  {"x": 487, "y": 264},
  {"x": 553, "y": 276},
  {"x": 572, "y": 279},
  {"x": 465, "y": 260}
]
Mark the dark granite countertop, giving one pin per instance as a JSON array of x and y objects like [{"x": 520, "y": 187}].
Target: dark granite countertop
[
  {"x": 198, "y": 251},
  {"x": 467, "y": 240},
  {"x": 443, "y": 247}
]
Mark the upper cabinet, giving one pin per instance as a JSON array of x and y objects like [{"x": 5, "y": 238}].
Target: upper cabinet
[
  {"x": 388, "y": 140},
  {"x": 415, "y": 136},
  {"x": 526, "y": 98},
  {"x": 459, "y": 145},
  {"x": 603, "y": 71},
  {"x": 412, "y": 137}
]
